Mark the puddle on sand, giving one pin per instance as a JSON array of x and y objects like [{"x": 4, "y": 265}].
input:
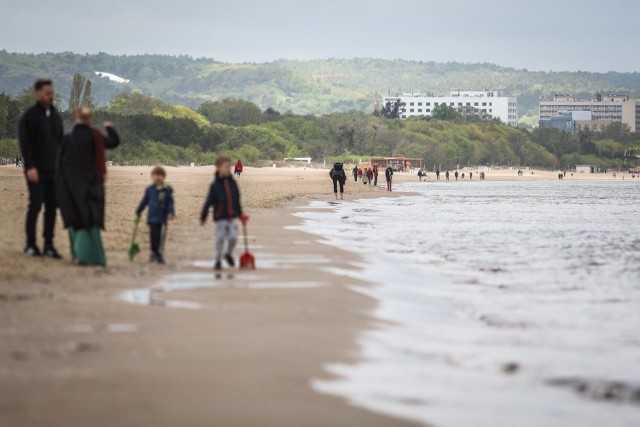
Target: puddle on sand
[
  {"x": 189, "y": 281},
  {"x": 110, "y": 328}
]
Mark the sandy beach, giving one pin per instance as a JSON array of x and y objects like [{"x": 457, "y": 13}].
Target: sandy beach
[{"x": 72, "y": 353}]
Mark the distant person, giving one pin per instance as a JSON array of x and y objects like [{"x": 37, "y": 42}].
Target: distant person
[
  {"x": 80, "y": 178},
  {"x": 370, "y": 175},
  {"x": 437, "y": 174},
  {"x": 462, "y": 176},
  {"x": 482, "y": 176},
  {"x": 360, "y": 174},
  {"x": 470, "y": 175},
  {"x": 365, "y": 176},
  {"x": 239, "y": 167},
  {"x": 17, "y": 161},
  {"x": 388, "y": 174},
  {"x": 420, "y": 175},
  {"x": 355, "y": 173},
  {"x": 375, "y": 174},
  {"x": 456, "y": 175},
  {"x": 564, "y": 174},
  {"x": 224, "y": 198},
  {"x": 560, "y": 176},
  {"x": 447, "y": 175},
  {"x": 614, "y": 175},
  {"x": 338, "y": 176},
  {"x": 40, "y": 135},
  {"x": 158, "y": 197}
]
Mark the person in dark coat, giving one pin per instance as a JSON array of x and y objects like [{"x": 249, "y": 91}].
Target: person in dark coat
[
  {"x": 388, "y": 174},
  {"x": 40, "y": 133},
  {"x": 355, "y": 173},
  {"x": 375, "y": 174},
  {"x": 338, "y": 176},
  {"x": 158, "y": 197},
  {"x": 224, "y": 198},
  {"x": 80, "y": 186}
]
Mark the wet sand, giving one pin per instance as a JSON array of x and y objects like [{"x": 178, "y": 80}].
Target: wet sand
[{"x": 73, "y": 354}]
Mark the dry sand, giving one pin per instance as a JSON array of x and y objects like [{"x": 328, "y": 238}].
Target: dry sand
[{"x": 73, "y": 354}]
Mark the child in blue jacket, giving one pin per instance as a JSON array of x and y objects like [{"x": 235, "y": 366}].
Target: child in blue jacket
[{"x": 159, "y": 198}]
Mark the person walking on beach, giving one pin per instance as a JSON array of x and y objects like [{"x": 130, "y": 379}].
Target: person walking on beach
[
  {"x": 375, "y": 175},
  {"x": 420, "y": 175},
  {"x": 369, "y": 176},
  {"x": 437, "y": 174},
  {"x": 365, "y": 176},
  {"x": 80, "y": 178},
  {"x": 355, "y": 173},
  {"x": 338, "y": 176},
  {"x": 40, "y": 134},
  {"x": 17, "y": 161},
  {"x": 470, "y": 175},
  {"x": 388, "y": 174},
  {"x": 456, "y": 175},
  {"x": 237, "y": 170},
  {"x": 462, "y": 176},
  {"x": 224, "y": 198},
  {"x": 360, "y": 174},
  {"x": 159, "y": 198},
  {"x": 447, "y": 175}
]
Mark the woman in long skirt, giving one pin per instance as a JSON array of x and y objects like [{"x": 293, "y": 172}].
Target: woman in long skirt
[{"x": 80, "y": 181}]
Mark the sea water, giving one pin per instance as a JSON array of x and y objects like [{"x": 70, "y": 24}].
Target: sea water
[{"x": 501, "y": 303}]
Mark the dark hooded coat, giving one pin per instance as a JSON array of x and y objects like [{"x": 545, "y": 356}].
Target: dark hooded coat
[{"x": 79, "y": 184}]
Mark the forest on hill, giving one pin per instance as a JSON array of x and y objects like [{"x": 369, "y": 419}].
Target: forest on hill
[
  {"x": 316, "y": 87},
  {"x": 156, "y": 132}
]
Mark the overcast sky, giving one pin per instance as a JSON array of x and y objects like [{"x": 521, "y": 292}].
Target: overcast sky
[{"x": 593, "y": 35}]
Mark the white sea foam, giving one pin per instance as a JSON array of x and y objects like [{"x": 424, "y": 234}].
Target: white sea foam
[{"x": 491, "y": 293}]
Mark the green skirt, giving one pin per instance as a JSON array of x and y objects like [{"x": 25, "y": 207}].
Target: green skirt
[{"x": 86, "y": 246}]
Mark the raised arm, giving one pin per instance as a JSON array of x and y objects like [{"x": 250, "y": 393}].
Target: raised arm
[{"x": 112, "y": 139}]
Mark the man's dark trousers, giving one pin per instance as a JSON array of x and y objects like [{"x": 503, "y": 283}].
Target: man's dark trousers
[{"x": 44, "y": 192}]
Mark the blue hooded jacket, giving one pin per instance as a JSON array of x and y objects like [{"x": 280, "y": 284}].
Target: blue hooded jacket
[{"x": 160, "y": 202}]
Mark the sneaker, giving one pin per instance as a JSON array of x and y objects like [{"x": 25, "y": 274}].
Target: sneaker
[
  {"x": 159, "y": 258},
  {"x": 52, "y": 253},
  {"x": 217, "y": 266},
  {"x": 32, "y": 251},
  {"x": 230, "y": 260}
]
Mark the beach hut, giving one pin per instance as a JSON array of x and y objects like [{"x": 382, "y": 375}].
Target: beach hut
[
  {"x": 587, "y": 169},
  {"x": 399, "y": 163}
]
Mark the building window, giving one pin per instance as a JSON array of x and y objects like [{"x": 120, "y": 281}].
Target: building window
[
  {"x": 428, "y": 104},
  {"x": 491, "y": 104},
  {"x": 490, "y": 110},
  {"x": 404, "y": 116},
  {"x": 452, "y": 104},
  {"x": 459, "y": 104},
  {"x": 419, "y": 110},
  {"x": 484, "y": 104},
  {"x": 475, "y": 104},
  {"x": 411, "y": 110},
  {"x": 468, "y": 104},
  {"x": 435, "y": 104},
  {"x": 419, "y": 104},
  {"x": 427, "y": 110},
  {"x": 411, "y": 104}
]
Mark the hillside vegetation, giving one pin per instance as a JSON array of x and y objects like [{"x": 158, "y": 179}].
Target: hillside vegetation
[
  {"x": 154, "y": 131},
  {"x": 302, "y": 87}
]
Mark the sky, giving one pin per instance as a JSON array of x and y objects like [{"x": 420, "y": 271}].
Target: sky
[{"x": 543, "y": 35}]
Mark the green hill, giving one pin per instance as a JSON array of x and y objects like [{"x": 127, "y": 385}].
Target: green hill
[{"x": 303, "y": 87}]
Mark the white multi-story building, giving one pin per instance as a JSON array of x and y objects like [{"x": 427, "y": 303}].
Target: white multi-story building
[{"x": 489, "y": 102}]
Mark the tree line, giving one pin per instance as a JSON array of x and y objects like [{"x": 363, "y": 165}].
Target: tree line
[{"x": 154, "y": 131}]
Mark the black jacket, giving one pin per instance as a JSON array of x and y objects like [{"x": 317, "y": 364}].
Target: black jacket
[
  {"x": 40, "y": 137},
  {"x": 388, "y": 173},
  {"x": 79, "y": 192},
  {"x": 224, "y": 197}
]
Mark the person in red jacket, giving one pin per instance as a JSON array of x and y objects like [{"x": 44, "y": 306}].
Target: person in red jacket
[{"x": 238, "y": 168}]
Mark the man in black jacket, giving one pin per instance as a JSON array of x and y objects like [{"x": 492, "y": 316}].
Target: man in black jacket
[{"x": 40, "y": 134}]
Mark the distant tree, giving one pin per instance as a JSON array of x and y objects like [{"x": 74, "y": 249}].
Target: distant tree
[
  {"x": 391, "y": 109},
  {"x": 80, "y": 95},
  {"x": 232, "y": 111},
  {"x": 445, "y": 112},
  {"x": 4, "y": 113}
]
